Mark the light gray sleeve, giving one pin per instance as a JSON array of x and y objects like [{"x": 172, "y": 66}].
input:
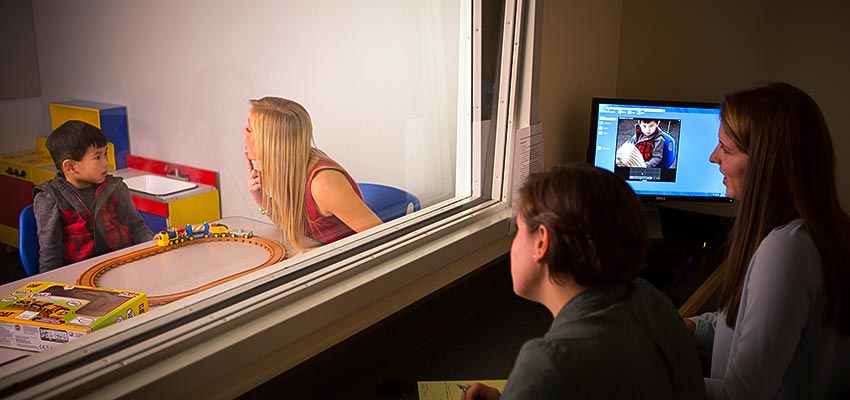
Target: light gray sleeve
[
  {"x": 781, "y": 289},
  {"x": 704, "y": 333},
  {"x": 48, "y": 222},
  {"x": 131, "y": 217}
]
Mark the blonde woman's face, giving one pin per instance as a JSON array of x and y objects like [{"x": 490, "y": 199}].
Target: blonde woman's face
[{"x": 250, "y": 146}]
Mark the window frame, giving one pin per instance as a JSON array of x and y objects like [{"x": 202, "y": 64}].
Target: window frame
[{"x": 278, "y": 321}]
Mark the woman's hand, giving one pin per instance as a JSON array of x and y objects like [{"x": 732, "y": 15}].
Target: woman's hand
[
  {"x": 254, "y": 182},
  {"x": 479, "y": 391}
]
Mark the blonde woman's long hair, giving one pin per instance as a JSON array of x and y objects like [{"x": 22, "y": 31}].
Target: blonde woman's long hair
[{"x": 283, "y": 139}]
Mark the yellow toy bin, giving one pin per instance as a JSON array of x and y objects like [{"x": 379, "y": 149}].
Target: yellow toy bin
[
  {"x": 42, "y": 315},
  {"x": 23, "y": 165}
]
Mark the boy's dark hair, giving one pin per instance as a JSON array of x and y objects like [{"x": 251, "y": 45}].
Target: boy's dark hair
[
  {"x": 72, "y": 139},
  {"x": 656, "y": 120}
]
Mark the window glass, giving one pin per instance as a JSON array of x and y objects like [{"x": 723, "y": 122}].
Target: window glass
[{"x": 404, "y": 94}]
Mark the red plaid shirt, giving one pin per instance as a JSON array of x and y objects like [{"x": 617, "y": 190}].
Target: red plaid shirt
[
  {"x": 78, "y": 231},
  {"x": 645, "y": 148},
  {"x": 647, "y": 145}
]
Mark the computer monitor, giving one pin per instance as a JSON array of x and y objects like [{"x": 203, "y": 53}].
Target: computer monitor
[{"x": 661, "y": 148}]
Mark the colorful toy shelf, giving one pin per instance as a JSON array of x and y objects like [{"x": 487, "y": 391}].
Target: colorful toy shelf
[
  {"x": 190, "y": 207},
  {"x": 21, "y": 171},
  {"x": 110, "y": 118}
]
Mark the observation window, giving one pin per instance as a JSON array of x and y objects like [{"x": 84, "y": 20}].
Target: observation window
[{"x": 416, "y": 95}]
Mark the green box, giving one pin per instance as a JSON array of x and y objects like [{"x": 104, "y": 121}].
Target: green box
[{"x": 42, "y": 315}]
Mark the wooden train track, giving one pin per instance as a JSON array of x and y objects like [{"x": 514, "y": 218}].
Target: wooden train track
[{"x": 92, "y": 275}]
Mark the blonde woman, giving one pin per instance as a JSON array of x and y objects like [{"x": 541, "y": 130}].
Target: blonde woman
[{"x": 310, "y": 197}]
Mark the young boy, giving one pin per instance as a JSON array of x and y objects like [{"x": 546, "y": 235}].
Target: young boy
[
  {"x": 649, "y": 142},
  {"x": 83, "y": 212}
]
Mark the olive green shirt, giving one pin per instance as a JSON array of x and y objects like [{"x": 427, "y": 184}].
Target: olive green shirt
[{"x": 622, "y": 341}]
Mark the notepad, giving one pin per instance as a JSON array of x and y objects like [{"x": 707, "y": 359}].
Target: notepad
[{"x": 449, "y": 390}]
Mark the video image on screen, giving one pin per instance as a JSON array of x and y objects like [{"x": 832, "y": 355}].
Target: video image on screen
[
  {"x": 646, "y": 148},
  {"x": 661, "y": 148}
]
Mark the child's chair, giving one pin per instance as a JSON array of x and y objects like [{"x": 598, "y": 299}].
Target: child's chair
[
  {"x": 28, "y": 241},
  {"x": 669, "y": 156},
  {"x": 388, "y": 202}
]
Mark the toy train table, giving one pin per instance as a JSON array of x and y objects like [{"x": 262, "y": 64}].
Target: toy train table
[{"x": 179, "y": 268}]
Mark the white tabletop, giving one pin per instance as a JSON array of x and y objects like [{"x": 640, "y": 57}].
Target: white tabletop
[{"x": 194, "y": 262}]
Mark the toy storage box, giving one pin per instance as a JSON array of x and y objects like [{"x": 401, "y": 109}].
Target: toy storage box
[{"x": 42, "y": 315}]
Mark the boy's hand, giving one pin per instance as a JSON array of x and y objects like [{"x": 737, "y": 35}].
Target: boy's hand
[{"x": 254, "y": 182}]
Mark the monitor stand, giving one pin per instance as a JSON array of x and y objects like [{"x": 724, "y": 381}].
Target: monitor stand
[{"x": 652, "y": 219}]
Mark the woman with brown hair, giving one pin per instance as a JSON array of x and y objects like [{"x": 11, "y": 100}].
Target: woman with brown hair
[
  {"x": 580, "y": 244},
  {"x": 784, "y": 312},
  {"x": 310, "y": 197}
]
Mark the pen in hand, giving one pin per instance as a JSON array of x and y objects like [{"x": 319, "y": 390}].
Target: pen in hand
[
  {"x": 479, "y": 391},
  {"x": 464, "y": 389}
]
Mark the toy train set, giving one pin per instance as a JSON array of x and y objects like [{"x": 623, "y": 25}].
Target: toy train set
[
  {"x": 191, "y": 232},
  {"x": 175, "y": 238}
]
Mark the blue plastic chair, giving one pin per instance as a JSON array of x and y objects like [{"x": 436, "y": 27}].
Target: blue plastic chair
[
  {"x": 28, "y": 241},
  {"x": 669, "y": 156},
  {"x": 387, "y": 201}
]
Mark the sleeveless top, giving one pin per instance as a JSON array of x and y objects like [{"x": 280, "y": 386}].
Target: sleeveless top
[{"x": 325, "y": 229}]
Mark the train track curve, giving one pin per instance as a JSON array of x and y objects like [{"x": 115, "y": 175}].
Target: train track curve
[{"x": 91, "y": 276}]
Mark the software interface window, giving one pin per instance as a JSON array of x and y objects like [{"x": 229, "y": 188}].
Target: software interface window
[{"x": 660, "y": 148}]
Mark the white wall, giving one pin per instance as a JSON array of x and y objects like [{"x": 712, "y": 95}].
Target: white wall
[
  {"x": 379, "y": 78},
  {"x": 700, "y": 50},
  {"x": 689, "y": 50},
  {"x": 578, "y": 61},
  {"x": 22, "y": 123},
  {"x": 589, "y": 49}
]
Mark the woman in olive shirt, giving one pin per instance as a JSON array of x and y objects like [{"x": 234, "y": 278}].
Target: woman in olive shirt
[{"x": 580, "y": 244}]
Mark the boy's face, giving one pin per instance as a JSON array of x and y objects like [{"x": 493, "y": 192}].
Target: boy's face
[
  {"x": 648, "y": 127},
  {"x": 91, "y": 170}
]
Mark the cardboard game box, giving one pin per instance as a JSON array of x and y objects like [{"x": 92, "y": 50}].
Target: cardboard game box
[{"x": 42, "y": 315}]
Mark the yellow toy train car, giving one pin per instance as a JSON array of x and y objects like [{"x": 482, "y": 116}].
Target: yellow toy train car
[{"x": 205, "y": 230}]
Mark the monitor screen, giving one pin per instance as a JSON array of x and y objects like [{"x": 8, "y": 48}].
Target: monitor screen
[{"x": 661, "y": 148}]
